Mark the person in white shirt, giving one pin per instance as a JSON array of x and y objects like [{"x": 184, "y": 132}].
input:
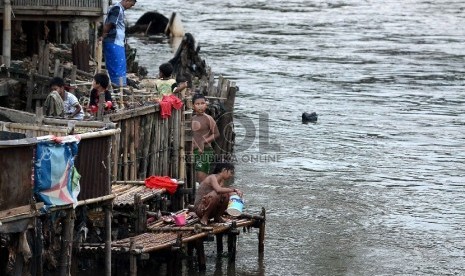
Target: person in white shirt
[{"x": 73, "y": 109}]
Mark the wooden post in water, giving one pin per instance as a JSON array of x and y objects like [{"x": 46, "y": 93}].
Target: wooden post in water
[
  {"x": 219, "y": 243},
  {"x": 261, "y": 233},
  {"x": 232, "y": 240},
  {"x": 200, "y": 250}
]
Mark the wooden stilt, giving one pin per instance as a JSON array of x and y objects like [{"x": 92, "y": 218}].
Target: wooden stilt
[
  {"x": 19, "y": 262},
  {"x": 190, "y": 249},
  {"x": 67, "y": 242},
  {"x": 261, "y": 232},
  {"x": 199, "y": 248},
  {"x": 219, "y": 244},
  {"x": 38, "y": 249},
  {"x": 132, "y": 258},
  {"x": 232, "y": 240},
  {"x": 108, "y": 215},
  {"x": 140, "y": 209}
]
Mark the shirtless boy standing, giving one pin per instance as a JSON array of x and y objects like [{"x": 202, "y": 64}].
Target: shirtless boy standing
[{"x": 204, "y": 132}]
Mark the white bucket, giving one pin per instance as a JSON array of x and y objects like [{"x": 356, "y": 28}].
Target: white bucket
[{"x": 235, "y": 206}]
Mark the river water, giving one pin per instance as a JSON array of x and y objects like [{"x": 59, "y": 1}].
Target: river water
[{"x": 375, "y": 187}]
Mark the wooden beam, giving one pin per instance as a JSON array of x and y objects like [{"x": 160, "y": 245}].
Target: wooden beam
[{"x": 26, "y": 209}]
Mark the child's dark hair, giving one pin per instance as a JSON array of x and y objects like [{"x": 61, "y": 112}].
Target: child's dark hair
[
  {"x": 57, "y": 81},
  {"x": 197, "y": 96},
  {"x": 102, "y": 79},
  {"x": 166, "y": 69},
  {"x": 219, "y": 167}
]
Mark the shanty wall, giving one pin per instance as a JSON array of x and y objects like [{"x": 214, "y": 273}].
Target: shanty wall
[
  {"x": 16, "y": 163},
  {"x": 15, "y": 176},
  {"x": 147, "y": 145}
]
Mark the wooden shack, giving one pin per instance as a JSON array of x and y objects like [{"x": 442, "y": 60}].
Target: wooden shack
[
  {"x": 27, "y": 22},
  {"x": 24, "y": 223}
]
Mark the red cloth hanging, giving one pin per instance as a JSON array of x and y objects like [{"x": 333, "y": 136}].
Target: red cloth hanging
[
  {"x": 168, "y": 102},
  {"x": 161, "y": 182}
]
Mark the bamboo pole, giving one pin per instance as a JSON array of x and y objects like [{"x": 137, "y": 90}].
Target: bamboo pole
[
  {"x": 98, "y": 57},
  {"x": 140, "y": 140},
  {"x": 182, "y": 143},
  {"x": 176, "y": 145},
  {"x": 95, "y": 200},
  {"x": 121, "y": 102},
  {"x": 145, "y": 172},
  {"x": 125, "y": 136},
  {"x": 131, "y": 182},
  {"x": 116, "y": 156},
  {"x": 156, "y": 162},
  {"x": 95, "y": 124},
  {"x": 166, "y": 145},
  {"x": 132, "y": 148}
]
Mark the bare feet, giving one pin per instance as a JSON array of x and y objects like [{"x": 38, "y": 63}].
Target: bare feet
[
  {"x": 220, "y": 220},
  {"x": 204, "y": 221}
]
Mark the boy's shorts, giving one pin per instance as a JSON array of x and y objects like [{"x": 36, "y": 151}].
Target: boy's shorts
[{"x": 203, "y": 160}]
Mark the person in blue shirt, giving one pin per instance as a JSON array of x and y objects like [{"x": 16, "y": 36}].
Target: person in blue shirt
[{"x": 113, "y": 37}]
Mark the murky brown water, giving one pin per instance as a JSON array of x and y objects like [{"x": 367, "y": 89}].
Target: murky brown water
[{"x": 376, "y": 186}]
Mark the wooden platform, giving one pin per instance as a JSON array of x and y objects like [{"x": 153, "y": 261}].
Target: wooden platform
[{"x": 164, "y": 236}]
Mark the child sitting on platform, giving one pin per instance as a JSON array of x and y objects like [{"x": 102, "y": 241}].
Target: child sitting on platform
[{"x": 211, "y": 200}]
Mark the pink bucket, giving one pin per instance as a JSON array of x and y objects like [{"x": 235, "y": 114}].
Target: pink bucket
[{"x": 179, "y": 220}]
